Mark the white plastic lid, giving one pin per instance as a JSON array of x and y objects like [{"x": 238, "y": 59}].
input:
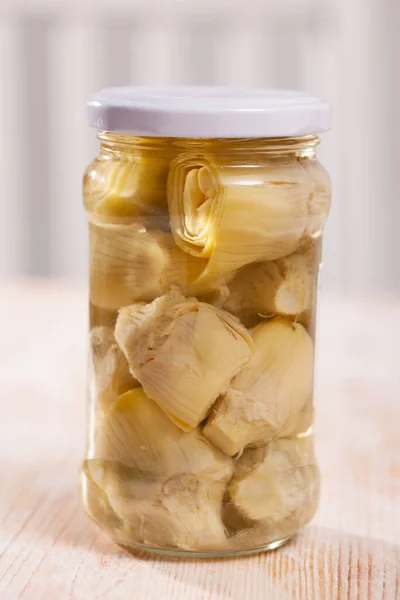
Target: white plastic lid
[{"x": 208, "y": 112}]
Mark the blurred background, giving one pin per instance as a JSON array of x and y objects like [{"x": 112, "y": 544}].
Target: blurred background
[{"x": 55, "y": 53}]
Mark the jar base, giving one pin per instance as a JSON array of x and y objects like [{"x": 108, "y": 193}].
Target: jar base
[{"x": 176, "y": 552}]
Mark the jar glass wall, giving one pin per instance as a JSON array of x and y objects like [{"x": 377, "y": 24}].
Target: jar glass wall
[{"x": 204, "y": 261}]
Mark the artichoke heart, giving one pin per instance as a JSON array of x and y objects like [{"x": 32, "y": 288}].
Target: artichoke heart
[
  {"x": 187, "y": 515},
  {"x": 126, "y": 265},
  {"x": 284, "y": 287},
  {"x": 111, "y": 368},
  {"x": 183, "y": 352},
  {"x": 276, "y": 486},
  {"x": 165, "y": 484},
  {"x": 320, "y": 199},
  {"x": 97, "y": 504},
  {"x": 132, "y": 264},
  {"x": 136, "y": 433},
  {"x": 130, "y": 186},
  {"x": 185, "y": 512},
  {"x": 233, "y": 216},
  {"x": 269, "y": 393}
]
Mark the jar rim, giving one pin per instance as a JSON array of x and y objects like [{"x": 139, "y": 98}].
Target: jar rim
[{"x": 208, "y": 112}]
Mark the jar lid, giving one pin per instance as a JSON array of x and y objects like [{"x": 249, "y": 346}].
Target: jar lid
[{"x": 208, "y": 112}]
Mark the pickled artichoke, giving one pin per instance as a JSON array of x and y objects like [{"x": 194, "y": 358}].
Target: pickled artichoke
[
  {"x": 132, "y": 264},
  {"x": 185, "y": 512},
  {"x": 233, "y": 216},
  {"x": 136, "y": 433},
  {"x": 320, "y": 199},
  {"x": 284, "y": 286},
  {"x": 165, "y": 484},
  {"x": 267, "y": 395},
  {"x": 183, "y": 352},
  {"x": 110, "y": 367},
  {"x": 97, "y": 505},
  {"x": 186, "y": 515},
  {"x": 275, "y": 487},
  {"x": 126, "y": 186},
  {"x": 186, "y": 254},
  {"x": 126, "y": 266}
]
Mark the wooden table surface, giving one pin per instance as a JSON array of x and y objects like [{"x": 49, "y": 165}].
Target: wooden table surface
[{"x": 49, "y": 550}]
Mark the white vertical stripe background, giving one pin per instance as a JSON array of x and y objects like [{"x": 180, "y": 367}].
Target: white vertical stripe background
[
  {"x": 77, "y": 57},
  {"x": 321, "y": 72},
  {"x": 157, "y": 51},
  {"x": 13, "y": 226},
  {"x": 241, "y": 47},
  {"x": 358, "y": 127}
]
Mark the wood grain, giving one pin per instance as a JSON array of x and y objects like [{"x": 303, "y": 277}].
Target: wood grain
[{"x": 49, "y": 550}]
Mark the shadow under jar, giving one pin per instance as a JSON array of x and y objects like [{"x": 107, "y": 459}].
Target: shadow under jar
[{"x": 206, "y": 209}]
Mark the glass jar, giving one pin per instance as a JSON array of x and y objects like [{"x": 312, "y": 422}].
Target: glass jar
[{"x": 205, "y": 248}]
